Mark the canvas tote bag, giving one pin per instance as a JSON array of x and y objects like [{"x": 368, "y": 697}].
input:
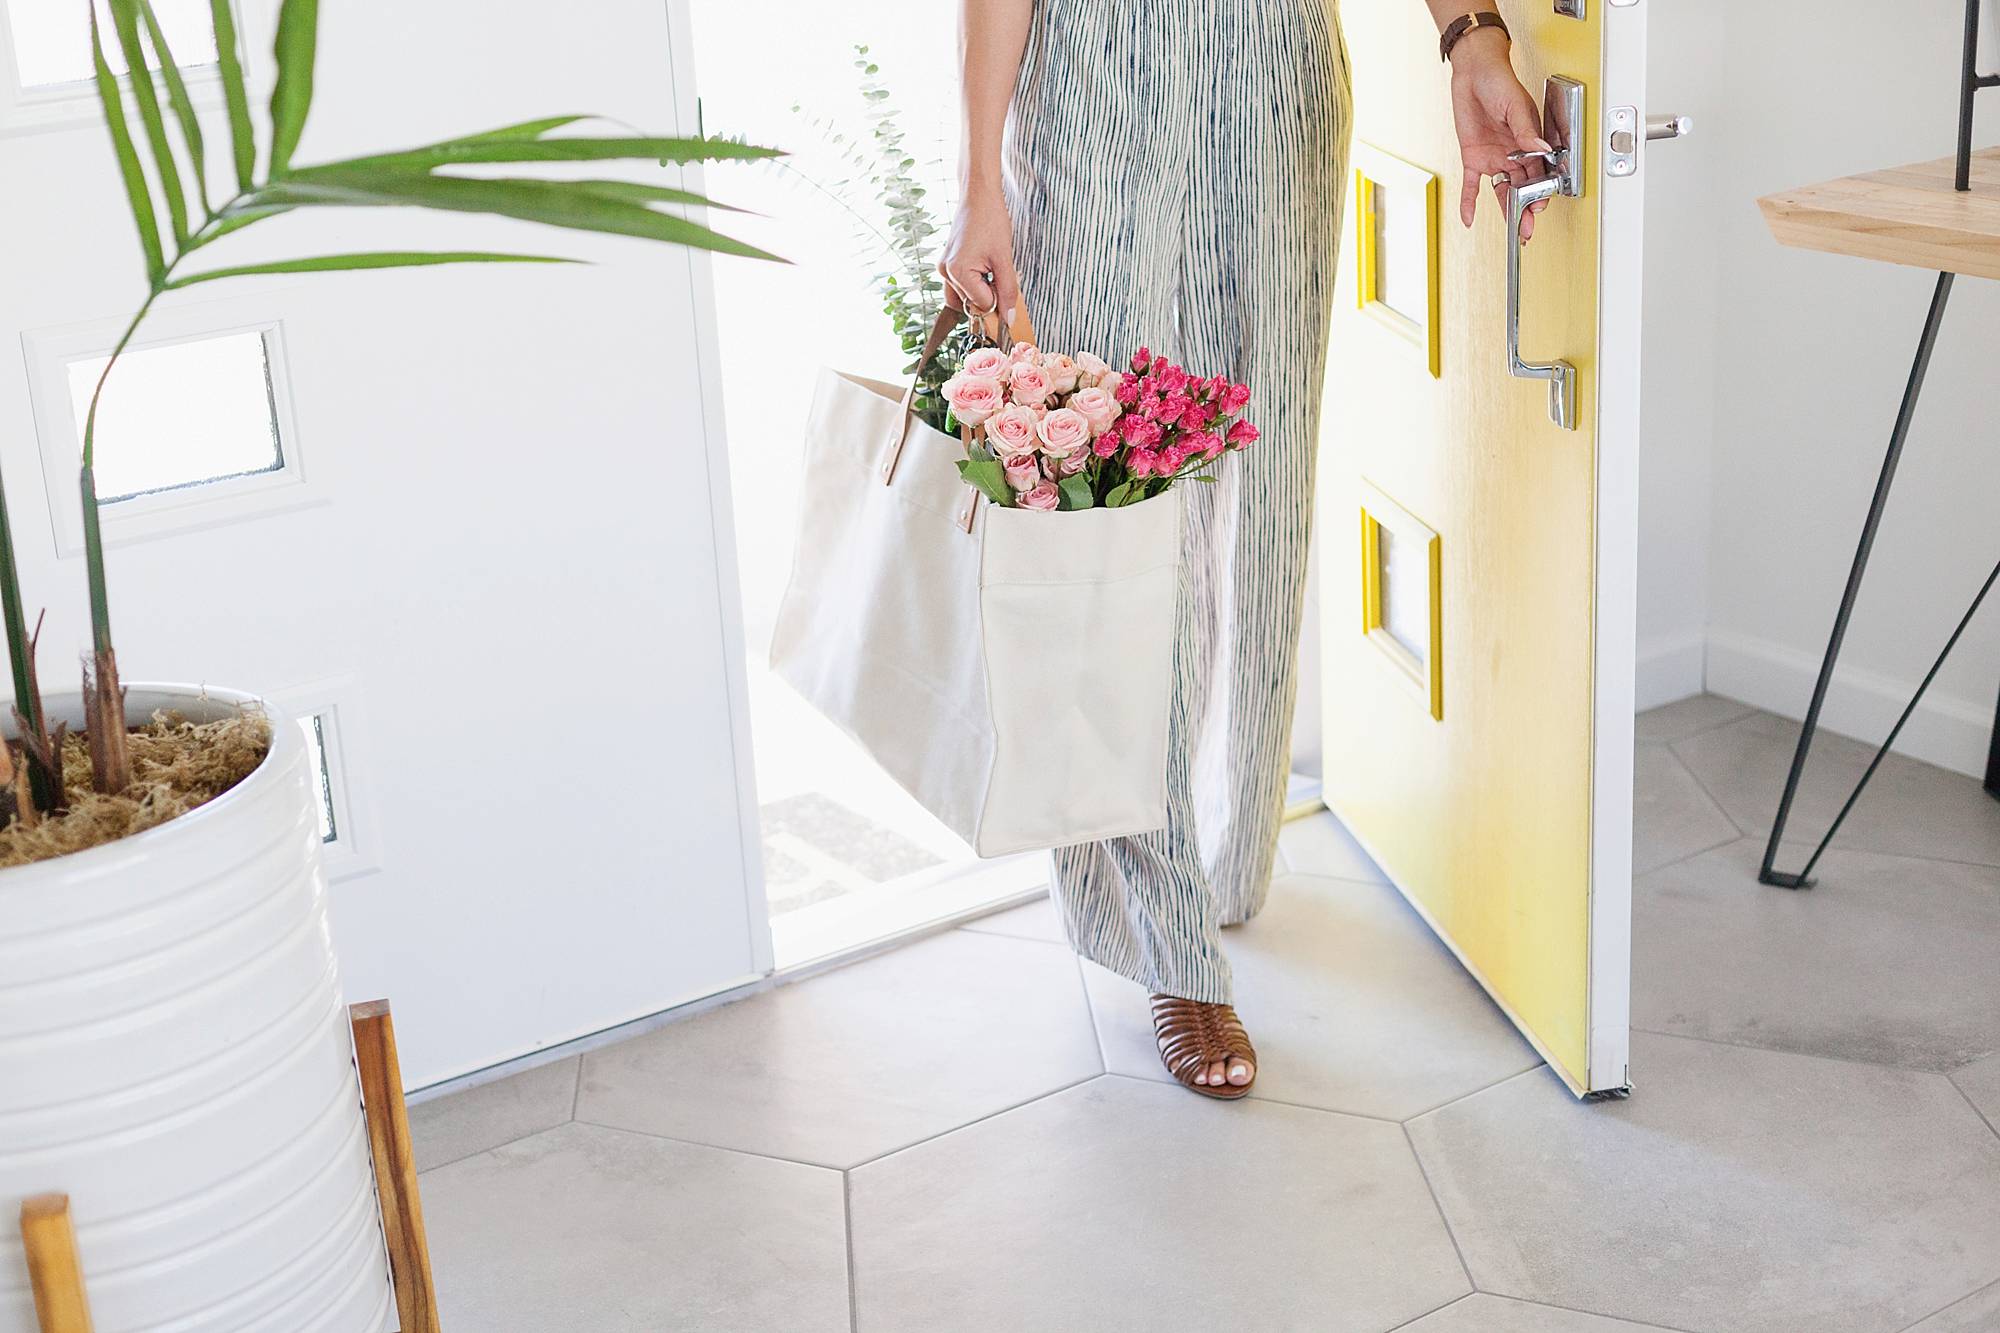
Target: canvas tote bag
[{"x": 1011, "y": 668}]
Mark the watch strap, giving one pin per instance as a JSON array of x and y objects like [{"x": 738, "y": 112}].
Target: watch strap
[{"x": 1465, "y": 23}]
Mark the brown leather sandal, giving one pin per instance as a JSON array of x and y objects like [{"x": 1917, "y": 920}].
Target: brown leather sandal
[{"x": 1192, "y": 1036}]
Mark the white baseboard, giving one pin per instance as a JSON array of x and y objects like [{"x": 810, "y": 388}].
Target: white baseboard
[
  {"x": 1670, "y": 670},
  {"x": 1949, "y": 732}
]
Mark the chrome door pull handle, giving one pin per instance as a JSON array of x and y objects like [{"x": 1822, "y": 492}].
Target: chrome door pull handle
[{"x": 1563, "y": 106}]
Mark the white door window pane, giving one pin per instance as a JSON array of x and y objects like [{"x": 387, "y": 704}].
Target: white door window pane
[
  {"x": 180, "y": 415},
  {"x": 322, "y": 776},
  {"x": 52, "y": 38},
  {"x": 1406, "y": 592}
]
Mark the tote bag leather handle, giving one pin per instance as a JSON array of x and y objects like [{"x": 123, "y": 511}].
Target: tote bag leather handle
[{"x": 1022, "y": 329}]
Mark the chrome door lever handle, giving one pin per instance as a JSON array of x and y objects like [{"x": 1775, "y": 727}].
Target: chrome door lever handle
[
  {"x": 1564, "y": 113},
  {"x": 1561, "y": 375}
]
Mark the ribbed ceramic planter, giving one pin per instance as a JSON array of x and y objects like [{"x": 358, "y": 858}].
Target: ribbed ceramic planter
[{"x": 174, "y": 1055}]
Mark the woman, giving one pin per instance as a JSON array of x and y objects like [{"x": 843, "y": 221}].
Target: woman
[{"x": 1173, "y": 178}]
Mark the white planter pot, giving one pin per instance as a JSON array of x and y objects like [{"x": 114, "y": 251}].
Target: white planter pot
[{"x": 175, "y": 1056}]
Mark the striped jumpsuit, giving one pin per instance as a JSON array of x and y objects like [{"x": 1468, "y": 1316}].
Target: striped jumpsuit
[{"x": 1175, "y": 170}]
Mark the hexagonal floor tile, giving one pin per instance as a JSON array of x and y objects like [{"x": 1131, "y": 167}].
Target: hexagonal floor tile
[
  {"x": 1672, "y": 817},
  {"x": 1977, "y": 1313},
  {"x": 1321, "y": 845},
  {"x": 589, "y": 1228},
  {"x": 447, "y": 1128},
  {"x": 858, "y": 1061},
  {"x": 1481, "y": 1313},
  {"x": 1980, "y": 1082},
  {"x": 1123, "y": 1205},
  {"x": 1910, "y": 808},
  {"x": 1889, "y": 960},
  {"x": 1737, "y": 1191},
  {"x": 1035, "y": 920},
  {"x": 1688, "y": 717},
  {"x": 1351, "y": 1001}
]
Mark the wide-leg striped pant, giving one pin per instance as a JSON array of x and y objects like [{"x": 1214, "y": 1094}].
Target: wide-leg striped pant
[{"x": 1175, "y": 173}]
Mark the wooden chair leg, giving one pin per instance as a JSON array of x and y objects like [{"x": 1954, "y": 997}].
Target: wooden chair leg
[
  {"x": 53, "y": 1270},
  {"x": 395, "y": 1165}
]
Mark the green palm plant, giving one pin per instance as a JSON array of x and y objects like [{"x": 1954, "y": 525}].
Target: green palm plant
[{"x": 267, "y": 183}]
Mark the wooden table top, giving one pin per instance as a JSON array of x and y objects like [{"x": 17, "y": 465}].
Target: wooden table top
[{"x": 1905, "y": 215}]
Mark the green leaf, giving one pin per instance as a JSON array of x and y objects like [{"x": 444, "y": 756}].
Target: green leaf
[
  {"x": 125, "y": 20},
  {"x": 178, "y": 99},
  {"x": 990, "y": 477},
  {"x": 379, "y": 259},
  {"x": 242, "y": 138},
  {"x": 551, "y": 203},
  {"x": 291, "y": 96},
  {"x": 136, "y": 192},
  {"x": 1076, "y": 492},
  {"x": 487, "y": 149},
  {"x": 1118, "y": 495}
]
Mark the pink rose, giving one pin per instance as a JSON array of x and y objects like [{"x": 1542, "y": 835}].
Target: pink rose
[
  {"x": 1241, "y": 434},
  {"x": 1127, "y": 391},
  {"x": 1032, "y": 385},
  {"x": 974, "y": 398},
  {"x": 1108, "y": 443},
  {"x": 1235, "y": 397},
  {"x": 1023, "y": 354},
  {"x": 1140, "y": 360},
  {"x": 1112, "y": 383},
  {"x": 1012, "y": 430},
  {"x": 1099, "y": 408},
  {"x": 1074, "y": 464},
  {"x": 1062, "y": 372},
  {"x": 1142, "y": 463},
  {"x": 1044, "y": 496},
  {"x": 1206, "y": 443},
  {"x": 1142, "y": 434},
  {"x": 1093, "y": 367},
  {"x": 1175, "y": 408},
  {"x": 1063, "y": 432},
  {"x": 989, "y": 362},
  {"x": 1022, "y": 473},
  {"x": 1172, "y": 459}
]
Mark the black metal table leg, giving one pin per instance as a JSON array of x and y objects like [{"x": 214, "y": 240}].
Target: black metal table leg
[
  {"x": 1912, "y": 392},
  {"x": 1993, "y": 760}
]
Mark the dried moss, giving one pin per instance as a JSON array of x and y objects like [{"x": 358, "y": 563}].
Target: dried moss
[{"x": 177, "y": 765}]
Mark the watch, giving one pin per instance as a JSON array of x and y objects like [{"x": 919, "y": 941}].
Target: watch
[{"x": 1465, "y": 23}]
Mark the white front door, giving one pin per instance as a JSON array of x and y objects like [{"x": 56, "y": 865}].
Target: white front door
[{"x": 461, "y": 518}]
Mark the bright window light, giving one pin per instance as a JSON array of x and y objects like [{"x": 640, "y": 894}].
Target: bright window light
[
  {"x": 314, "y": 728},
  {"x": 181, "y": 414},
  {"x": 52, "y": 38}
]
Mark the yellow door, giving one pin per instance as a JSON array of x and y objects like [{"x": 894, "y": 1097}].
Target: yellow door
[{"x": 1478, "y": 554}]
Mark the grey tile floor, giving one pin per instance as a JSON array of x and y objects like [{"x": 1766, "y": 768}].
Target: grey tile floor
[{"x": 972, "y": 1133}]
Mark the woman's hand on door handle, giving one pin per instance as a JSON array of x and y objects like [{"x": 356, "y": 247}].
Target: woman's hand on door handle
[{"x": 1494, "y": 116}]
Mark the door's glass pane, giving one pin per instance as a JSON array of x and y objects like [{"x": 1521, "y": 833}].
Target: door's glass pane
[
  {"x": 1406, "y": 592},
  {"x": 1402, "y": 251},
  {"x": 314, "y": 728},
  {"x": 52, "y": 38},
  {"x": 180, "y": 415}
]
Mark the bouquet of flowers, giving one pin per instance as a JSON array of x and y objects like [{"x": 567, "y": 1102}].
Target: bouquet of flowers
[{"x": 1048, "y": 431}]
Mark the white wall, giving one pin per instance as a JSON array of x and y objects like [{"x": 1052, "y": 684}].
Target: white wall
[{"x": 1773, "y": 377}]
